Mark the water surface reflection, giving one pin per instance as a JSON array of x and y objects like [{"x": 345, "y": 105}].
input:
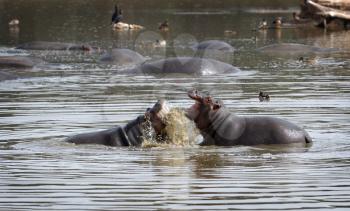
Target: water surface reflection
[{"x": 73, "y": 93}]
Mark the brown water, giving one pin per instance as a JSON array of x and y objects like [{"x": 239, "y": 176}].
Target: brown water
[{"x": 73, "y": 94}]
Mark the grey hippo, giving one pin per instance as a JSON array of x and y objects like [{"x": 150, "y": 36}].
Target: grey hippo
[
  {"x": 122, "y": 57},
  {"x": 214, "y": 45},
  {"x": 130, "y": 134},
  {"x": 185, "y": 65},
  {"x": 19, "y": 61},
  {"x": 220, "y": 127},
  {"x": 7, "y": 76},
  {"x": 290, "y": 49},
  {"x": 58, "y": 46}
]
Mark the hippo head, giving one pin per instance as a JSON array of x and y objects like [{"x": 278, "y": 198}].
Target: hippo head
[
  {"x": 204, "y": 109},
  {"x": 156, "y": 115}
]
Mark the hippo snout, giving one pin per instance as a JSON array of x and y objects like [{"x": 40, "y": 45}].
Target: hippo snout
[{"x": 157, "y": 115}]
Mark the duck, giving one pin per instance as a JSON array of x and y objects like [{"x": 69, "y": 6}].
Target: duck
[
  {"x": 159, "y": 43},
  {"x": 263, "y": 96},
  {"x": 263, "y": 25},
  {"x": 230, "y": 32},
  {"x": 277, "y": 23},
  {"x": 14, "y": 22},
  {"x": 164, "y": 26}
]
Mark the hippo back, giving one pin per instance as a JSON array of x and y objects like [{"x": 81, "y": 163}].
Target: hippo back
[
  {"x": 43, "y": 45},
  {"x": 227, "y": 129},
  {"x": 19, "y": 61},
  {"x": 58, "y": 46},
  {"x": 128, "y": 135},
  {"x": 7, "y": 76},
  {"x": 122, "y": 57},
  {"x": 214, "y": 45},
  {"x": 186, "y": 65}
]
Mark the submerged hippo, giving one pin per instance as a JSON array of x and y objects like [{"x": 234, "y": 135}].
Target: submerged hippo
[
  {"x": 58, "y": 46},
  {"x": 122, "y": 57},
  {"x": 185, "y": 65},
  {"x": 286, "y": 49},
  {"x": 6, "y": 76},
  {"x": 19, "y": 61},
  {"x": 214, "y": 45},
  {"x": 130, "y": 134},
  {"x": 220, "y": 127}
]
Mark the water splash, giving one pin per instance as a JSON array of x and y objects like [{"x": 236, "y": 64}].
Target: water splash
[{"x": 179, "y": 131}]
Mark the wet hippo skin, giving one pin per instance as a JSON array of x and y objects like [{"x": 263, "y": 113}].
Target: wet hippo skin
[
  {"x": 122, "y": 57},
  {"x": 185, "y": 65},
  {"x": 220, "y": 127},
  {"x": 214, "y": 45},
  {"x": 44, "y": 45},
  {"x": 128, "y": 135},
  {"x": 19, "y": 61}
]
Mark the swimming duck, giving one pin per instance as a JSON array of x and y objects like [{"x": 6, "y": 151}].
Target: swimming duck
[
  {"x": 277, "y": 23},
  {"x": 263, "y": 96},
  {"x": 164, "y": 26},
  {"x": 230, "y": 32},
  {"x": 126, "y": 26},
  {"x": 160, "y": 43},
  {"x": 14, "y": 22},
  {"x": 263, "y": 24}
]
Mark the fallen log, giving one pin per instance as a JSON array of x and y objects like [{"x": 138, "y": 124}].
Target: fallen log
[
  {"x": 335, "y": 4},
  {"x": 336, "y": 11},
  {"x": 327, "y": 14}
]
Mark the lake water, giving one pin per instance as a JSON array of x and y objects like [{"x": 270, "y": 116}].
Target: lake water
[{"x": 74, "y": 94}]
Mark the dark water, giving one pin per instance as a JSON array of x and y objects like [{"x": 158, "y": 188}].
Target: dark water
[{"x": 73, "y": 94}]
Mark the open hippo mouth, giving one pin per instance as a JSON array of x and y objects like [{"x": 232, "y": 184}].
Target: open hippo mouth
[
  {"x": 157, "y": 115},
  {"x": 193, "y": 111},
  {"x": 200, "y": 101},
  {"x": 201, "y": 110}
]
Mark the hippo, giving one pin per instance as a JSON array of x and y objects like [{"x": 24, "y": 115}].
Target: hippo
[
  {"x": 185, "y": 65},
  {"x": 122, "y": 57},
  {"x": 130, "y": 134},
  {"x": 220, "y": 127},
  {"x": 288, "y": 49},
  {"x": 214, "y": 45},
  {"x": 57, "y": 46},
  {"x": 19, "y": 61}
]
